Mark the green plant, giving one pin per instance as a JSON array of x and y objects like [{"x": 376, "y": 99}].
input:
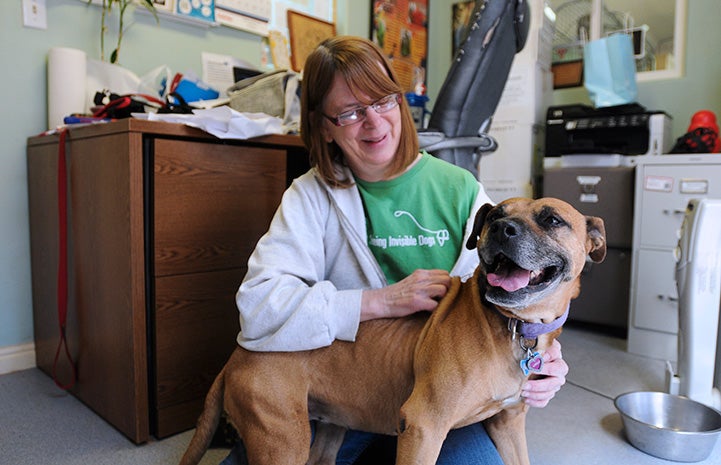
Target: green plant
[{"x": 107, "y": 9}]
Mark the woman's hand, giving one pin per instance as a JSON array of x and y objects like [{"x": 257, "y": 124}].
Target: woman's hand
[
  {"x": 538, "y": 392},
  {"x": 418, "y": 292}
]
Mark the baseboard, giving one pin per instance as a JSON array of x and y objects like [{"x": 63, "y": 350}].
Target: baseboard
[{"x": 16, "y": 358}]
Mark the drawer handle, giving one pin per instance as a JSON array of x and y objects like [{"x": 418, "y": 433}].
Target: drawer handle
[
  {"x": 667, "y": 297},
  {"x": 675, "y": 211}
]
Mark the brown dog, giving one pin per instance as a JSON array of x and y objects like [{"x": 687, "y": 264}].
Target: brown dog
[{"x": 421, "y": 376}]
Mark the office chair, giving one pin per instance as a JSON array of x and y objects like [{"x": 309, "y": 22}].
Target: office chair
[{"x": 473, "y": 86}]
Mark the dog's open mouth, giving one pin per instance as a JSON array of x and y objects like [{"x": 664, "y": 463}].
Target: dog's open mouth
[{"x": 506, "y": 274}]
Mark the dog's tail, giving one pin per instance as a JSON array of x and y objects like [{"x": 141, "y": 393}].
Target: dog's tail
[{"x": 207, "y": 422}]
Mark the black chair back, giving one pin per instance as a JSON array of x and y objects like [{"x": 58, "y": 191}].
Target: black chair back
[{"x": 473, "y": 86}]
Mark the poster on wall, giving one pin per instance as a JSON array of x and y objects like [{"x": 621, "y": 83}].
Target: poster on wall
[
  {"x": 459, "y": 23},
  {"x": 400, "y": 28}
]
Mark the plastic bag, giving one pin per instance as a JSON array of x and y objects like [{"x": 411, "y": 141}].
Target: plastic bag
[
  {"x": 275, "y": 93},
  {"x": 121, "y": 81},
  {"x": 609, "y": 71}
]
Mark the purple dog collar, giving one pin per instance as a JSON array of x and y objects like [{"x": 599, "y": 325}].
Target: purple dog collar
[
  {"x": 533, "y": 360},
  {"x": 533, "y": 330}
]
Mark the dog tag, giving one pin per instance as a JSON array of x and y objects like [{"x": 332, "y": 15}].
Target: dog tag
[{"x": 533, "y": 363}]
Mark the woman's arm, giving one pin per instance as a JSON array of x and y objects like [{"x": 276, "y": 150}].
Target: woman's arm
[{"x": 288, "y": 300}]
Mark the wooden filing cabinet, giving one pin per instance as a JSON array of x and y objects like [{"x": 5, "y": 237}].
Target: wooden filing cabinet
[{"x": 162, "y": 218}]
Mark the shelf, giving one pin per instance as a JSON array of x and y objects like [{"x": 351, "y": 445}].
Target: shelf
[
  {"x": 172, "y": 17},
  {"x": 166, "y": 15}
]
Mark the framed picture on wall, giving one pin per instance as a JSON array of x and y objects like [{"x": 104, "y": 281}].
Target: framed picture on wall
[
  {"x": 459, "y": 23},
  {"x": 567, "y": 74},
  {"x": 306, "y": 32},
  {"x": 400, "y": 28}
]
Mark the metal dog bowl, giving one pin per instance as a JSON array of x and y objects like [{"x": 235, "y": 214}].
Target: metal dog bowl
[{"x": 667, "y": 426}]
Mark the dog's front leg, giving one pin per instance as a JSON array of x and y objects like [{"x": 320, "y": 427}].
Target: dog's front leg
[
  {"x": 326, "y": 443},
  {"x": 507, "y": 429},
  {"x": 420, "y": 432}
]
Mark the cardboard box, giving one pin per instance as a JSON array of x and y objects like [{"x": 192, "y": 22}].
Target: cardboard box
[
  {"x": 526, "y": 96},
  {"x": 502, "y": 189},
  {"x": 529, "y": 88},
  {"x": 516, "y": 167}
]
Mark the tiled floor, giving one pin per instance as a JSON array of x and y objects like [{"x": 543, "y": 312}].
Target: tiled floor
[
  {"x": 581, "y": 425},
  {"x": 39, "y": 424}
]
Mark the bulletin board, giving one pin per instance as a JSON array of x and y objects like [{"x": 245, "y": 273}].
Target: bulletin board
[
  {"x": 306, "y": 32},
  {"x": 400, "y": 28}
]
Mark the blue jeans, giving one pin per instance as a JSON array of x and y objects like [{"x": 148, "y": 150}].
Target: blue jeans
[{"x": 469, "y": 445}]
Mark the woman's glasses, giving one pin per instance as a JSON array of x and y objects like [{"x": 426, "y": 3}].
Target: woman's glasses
[{"x": 357, "y": 115}]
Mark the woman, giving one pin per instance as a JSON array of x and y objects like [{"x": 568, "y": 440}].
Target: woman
[{"x": 374, "y": 230}]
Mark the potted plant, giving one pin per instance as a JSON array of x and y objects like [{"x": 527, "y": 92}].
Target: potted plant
[{"x": 122, "y": 5}]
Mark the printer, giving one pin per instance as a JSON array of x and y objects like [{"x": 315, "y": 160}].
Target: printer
[{"x": 624, "y": 129}]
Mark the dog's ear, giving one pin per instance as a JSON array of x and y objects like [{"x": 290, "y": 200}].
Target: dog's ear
[
  {"x": 596, "y": 238},
  {"x": 480, "y": 218}
]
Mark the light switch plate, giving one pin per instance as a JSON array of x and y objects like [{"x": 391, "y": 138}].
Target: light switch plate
[{"x": 35, "y": 14}]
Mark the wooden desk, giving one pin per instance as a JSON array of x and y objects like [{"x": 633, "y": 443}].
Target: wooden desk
[{"x": 162, "y": 218}]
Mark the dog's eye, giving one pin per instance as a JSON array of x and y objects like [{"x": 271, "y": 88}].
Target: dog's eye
[
  {"x": 553, "y": 221},
  {"x": 549, "y": 219}
]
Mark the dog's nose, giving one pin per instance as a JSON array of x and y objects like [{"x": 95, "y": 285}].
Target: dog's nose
[{"x": 505, "y": 229}]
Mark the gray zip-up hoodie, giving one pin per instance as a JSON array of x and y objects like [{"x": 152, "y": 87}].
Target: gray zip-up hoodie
[{"x": 307, "y": 273}]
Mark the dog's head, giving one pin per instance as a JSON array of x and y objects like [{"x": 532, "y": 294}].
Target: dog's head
[{"x": 529, "y": 249}]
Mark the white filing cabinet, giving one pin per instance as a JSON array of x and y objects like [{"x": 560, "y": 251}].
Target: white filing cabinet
[{"x": 664, "y": 185}]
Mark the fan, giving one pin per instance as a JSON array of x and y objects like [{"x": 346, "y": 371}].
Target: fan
[{"x": 573, "y": 30}]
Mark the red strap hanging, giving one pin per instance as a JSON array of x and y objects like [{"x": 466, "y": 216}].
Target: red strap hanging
[{"x": 62, "y": 282}]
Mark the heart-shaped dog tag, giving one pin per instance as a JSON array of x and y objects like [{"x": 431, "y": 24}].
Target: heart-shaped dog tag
[{"x": 533, "y": 363}]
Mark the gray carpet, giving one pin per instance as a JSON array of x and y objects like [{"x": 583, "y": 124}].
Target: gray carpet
[{"x": 40, "y": 424}]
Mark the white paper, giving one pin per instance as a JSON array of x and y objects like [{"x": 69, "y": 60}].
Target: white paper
[
  {"x": 241, "y": 22},
  {"x": 255, "y": 8},
  {"x": 218, "y": 70},
  {"x": 225, "y": 123}
]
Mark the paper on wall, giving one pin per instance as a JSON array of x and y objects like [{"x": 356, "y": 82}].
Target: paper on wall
[{"x": 218, "y": 70}]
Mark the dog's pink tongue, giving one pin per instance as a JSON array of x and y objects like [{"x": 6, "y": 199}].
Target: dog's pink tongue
[{"x": 512, "y": 281}]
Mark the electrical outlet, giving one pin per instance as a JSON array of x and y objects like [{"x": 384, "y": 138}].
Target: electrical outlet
[{"x": 35, "y": 14}]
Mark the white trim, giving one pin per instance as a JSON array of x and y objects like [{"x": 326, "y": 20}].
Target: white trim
[{"x": 16, "y": 358}]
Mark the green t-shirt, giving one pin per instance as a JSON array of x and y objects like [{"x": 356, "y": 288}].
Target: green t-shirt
[{"x": 417, "y": 220}]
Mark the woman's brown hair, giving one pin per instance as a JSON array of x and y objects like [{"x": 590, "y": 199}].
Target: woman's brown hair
[{"x": 357, "y": 60}]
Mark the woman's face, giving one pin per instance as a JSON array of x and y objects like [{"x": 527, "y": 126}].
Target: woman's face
[{"x": 369, "y": 145}]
